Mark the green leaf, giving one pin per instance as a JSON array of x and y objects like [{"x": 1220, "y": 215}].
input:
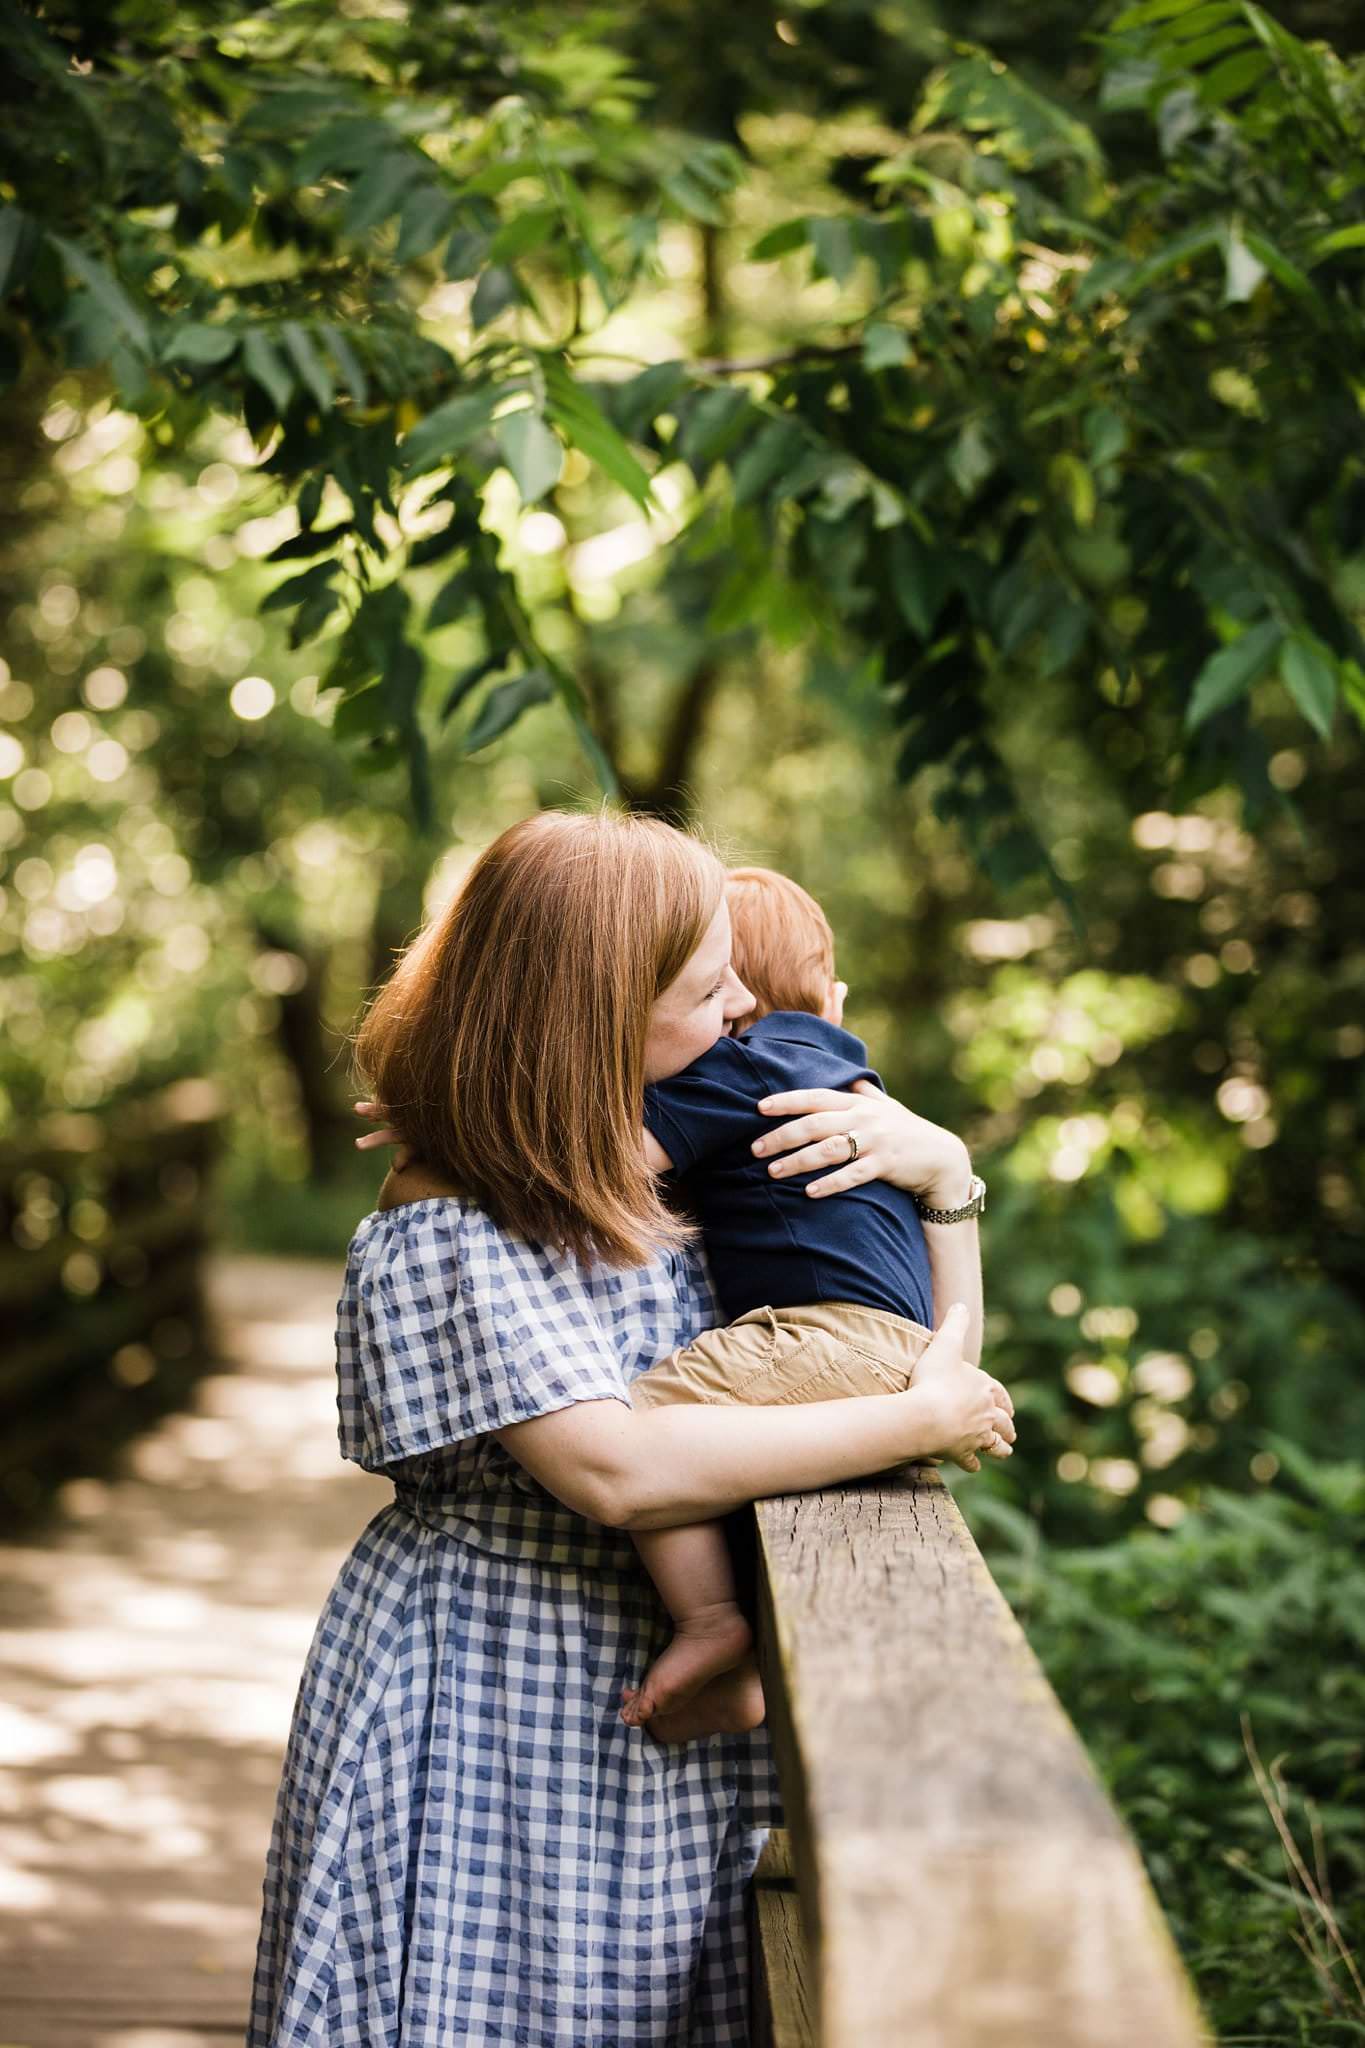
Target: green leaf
[
  {"x": 311, "y": 541},
  {"x": 598, "y": 758},
  {"x": 348, "y": 362},
  {"x": 18, "y": 241},
  {"x": 313, "y": 614},
  {"x": 1194, "y": 242},
  {"x": 834, "y": 250},
  {"x": 532, "y": 452},
  {"x": 310, "y": 501},
  {"x": 504, "y": 704},
  {"x": 1311, "y": 680},
  {"x": 1206, "y": 33},
  {"x": 283, "y": 110},
  {"x": 447, "y": 431},
  {"x": 1106, "y": 435},
  {"x": 780, "y": 241},
  {"x": 452, "y": 600},
  {"x": 1073, "y": 481},
  {"x": 1281, "y": 269},
  {"x": 297, "y": 588},
  {"x": 1126, "y": 83},
  {"x": 1340, "y": 238},
  {"x": 711, "y": 425},
  {"x": 378, "y": 192},
  {"x": 496, "y": 290},
  {"x": 586, "y": 427},
  {"x": 309, "y": 364},
  {"x": 1314, "y": 79},
  {"x": 1229, "y": 674},
  {"x": 971, "y": 458},
  {"x": 200, "y": 345},
  {"x": 1234, "y": 76},
  {"x": 1152, "y": 10},
  {"x": 1014, "y": 855},
  {"x": 468, "y": 679},
  {"x": 348, "y": 144},
  {"x": 108, "y": 293},
  {"x": 466, "y": 253},
  {"x": 524, "y": 231},
  {"x": 497, "y": 176},
  {"x": 1063, "y": 638},
  {"x": 637, "y": 402},
  {"x": 265, "y": 366},
  {"x": 920, "y": 581},
  {"x": 361, "y": 712},
  {"x": 691, "y": 195},
  {"x": 885, "y": 347},
  {"x": 427, "y": 213},
  {"x": 774, "y": 448}
]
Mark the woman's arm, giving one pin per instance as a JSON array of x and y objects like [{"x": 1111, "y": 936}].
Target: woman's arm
[
  {"x": 955, "y": 1269},
  {"x": 686, "y": 1463}
]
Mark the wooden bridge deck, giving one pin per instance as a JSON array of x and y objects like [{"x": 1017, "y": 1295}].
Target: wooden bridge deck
[{"x": 153, "y": 1646}]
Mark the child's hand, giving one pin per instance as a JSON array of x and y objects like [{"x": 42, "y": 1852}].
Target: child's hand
[
  {"x": 971, "y": 1411},
  {"x": 387, "y": 1136}
]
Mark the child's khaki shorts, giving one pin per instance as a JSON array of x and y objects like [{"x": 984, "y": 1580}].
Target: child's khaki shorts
[{"x": 821, "y": 1353}]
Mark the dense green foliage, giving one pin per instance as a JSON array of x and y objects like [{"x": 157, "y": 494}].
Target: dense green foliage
[
  {"x": 1028, "y": 420},
  {"x": 1240, "y": 1634},
  {"x": 932, "y": 464}
]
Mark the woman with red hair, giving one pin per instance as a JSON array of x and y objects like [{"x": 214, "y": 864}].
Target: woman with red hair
[{"x": 470, "y": 1846}]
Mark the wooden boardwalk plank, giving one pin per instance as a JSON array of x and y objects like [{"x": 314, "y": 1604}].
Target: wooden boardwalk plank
[{"x": 154, "y": 1639}]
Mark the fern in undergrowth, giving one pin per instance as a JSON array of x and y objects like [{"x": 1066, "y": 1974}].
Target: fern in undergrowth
[{"x": 1217, "y": 1674}]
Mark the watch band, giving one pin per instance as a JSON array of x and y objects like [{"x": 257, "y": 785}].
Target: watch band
[{"x": 973, "y": 1206}]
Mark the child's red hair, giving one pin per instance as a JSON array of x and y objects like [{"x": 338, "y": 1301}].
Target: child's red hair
[{"x": 783, "y": 947}]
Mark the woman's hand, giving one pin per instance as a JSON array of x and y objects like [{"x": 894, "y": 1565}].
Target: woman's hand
[
  {"x": 972, "y": 1412},
  {"x": 387, "y": 1136},
  {"x": 970, "y": 1420},
  {"x": 893, "y": 1144}
]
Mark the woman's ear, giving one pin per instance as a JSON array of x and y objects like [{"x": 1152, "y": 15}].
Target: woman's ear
[{"x": 833, "y": 1012}]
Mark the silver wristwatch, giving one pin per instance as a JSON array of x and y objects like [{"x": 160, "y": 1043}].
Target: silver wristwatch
[{"x": 973, "y": 1206}]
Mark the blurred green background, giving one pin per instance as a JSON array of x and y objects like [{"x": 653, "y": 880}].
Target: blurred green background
[{"x": 1032, "y": 651}]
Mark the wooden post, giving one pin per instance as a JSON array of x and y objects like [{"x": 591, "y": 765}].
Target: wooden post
[{"x": 963, "y": 1880}]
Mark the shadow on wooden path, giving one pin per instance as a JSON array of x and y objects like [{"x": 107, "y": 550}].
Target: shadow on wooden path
[{"x": 154, "y": 1639}]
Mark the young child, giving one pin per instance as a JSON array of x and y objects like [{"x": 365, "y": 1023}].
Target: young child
[{"x": 822, "y": 1299}]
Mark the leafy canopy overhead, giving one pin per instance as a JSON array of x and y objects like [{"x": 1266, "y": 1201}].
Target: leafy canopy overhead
[{"x": 1061, "y": 379}]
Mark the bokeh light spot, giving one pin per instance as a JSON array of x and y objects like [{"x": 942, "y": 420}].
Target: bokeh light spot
[
  {"x": 105, "y": 688},
  {"x": 253, "y": 697}
]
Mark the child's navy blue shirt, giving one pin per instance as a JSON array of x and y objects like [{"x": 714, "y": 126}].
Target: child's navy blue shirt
[{"x": 768, "y": 1244}]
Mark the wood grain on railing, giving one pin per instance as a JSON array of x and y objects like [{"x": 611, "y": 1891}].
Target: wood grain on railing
[{"x": 957, "y": 1875}]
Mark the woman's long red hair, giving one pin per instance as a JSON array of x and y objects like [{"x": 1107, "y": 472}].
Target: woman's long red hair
[{"x": 508, "y": 1046}]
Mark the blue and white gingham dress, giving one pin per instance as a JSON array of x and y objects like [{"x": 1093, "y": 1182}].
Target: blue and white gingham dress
[{"x": 470, "y": 1847}]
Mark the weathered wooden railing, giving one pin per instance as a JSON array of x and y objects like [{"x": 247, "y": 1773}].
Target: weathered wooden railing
[
  {"x": 951, "y": 1875},
  {"x": 102, "y": 1226}
]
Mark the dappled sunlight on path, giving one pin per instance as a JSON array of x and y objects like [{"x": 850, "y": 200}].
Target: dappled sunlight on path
[{"x": 154, "y": 1639}]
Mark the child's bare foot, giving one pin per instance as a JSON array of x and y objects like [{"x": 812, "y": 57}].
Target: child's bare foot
[
  {"x": 729, "y": 1705},
  {"x": 705, "y": 1644}
]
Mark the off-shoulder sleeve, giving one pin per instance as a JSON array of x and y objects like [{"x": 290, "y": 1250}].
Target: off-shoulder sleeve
[{"x": 448, "y": 1328}]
